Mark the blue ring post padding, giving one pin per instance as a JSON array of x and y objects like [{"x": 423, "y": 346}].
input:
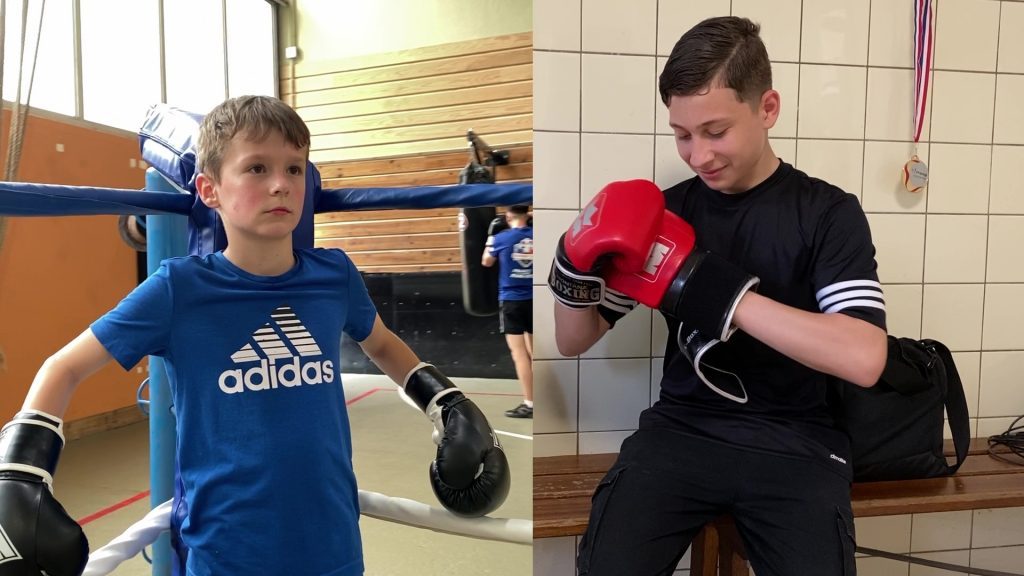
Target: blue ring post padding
[
  {"x": 25, "y": 199},
  {"x": 166, "y": 237},
  {"x": 459, "y": 196}
]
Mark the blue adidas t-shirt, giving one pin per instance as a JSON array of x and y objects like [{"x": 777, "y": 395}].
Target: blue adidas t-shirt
[
  {"x": 264, "y": 448},
  {"x": 514, "y": 250}
]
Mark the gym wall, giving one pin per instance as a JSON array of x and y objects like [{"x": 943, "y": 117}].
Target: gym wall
[
  {"x": 58, "y": 274},
  {"x": 400, "y": 119}
]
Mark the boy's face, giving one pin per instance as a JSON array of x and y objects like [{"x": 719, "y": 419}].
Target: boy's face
[
  {"x": 261, "y": 189},
  {"x": 722, "y": 139}
]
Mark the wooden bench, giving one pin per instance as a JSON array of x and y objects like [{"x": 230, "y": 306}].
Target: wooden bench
[{"x": 563, "y": 485}]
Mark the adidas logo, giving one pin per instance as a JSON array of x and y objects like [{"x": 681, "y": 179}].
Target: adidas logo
[
  {"x": 8, "y": 552},
  {"x": 278, "y": 347}
]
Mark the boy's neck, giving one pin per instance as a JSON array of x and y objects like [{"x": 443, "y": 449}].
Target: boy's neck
[
  {"x": 765, "y": 167},
  {"x": 261, "y": 259}
]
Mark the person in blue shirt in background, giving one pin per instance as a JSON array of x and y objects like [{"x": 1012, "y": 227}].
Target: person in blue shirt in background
[{"x": 512, "y": 248}]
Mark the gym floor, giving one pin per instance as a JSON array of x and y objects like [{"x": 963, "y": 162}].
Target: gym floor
[{"x": 103, "y": 481}]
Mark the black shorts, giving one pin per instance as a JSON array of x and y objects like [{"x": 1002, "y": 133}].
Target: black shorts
[
  {"x": 792, "y": 514},
  {"x": 516, "y": 317}
]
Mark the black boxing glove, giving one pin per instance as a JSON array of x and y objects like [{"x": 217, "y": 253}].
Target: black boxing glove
[
  {"x": 713, "y": 362},
  {"x": 36, "y": 534},
  {"x": 470, "y": 474},
  {"x": 498, "y": 224}
]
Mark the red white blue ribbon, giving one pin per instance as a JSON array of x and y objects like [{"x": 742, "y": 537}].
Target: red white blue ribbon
[{"x": 924, "y": 34}]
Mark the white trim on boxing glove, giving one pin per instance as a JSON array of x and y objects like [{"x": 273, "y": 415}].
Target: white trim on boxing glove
[
  {"x": 433, "y": 411},
  {"x": 698, "y": 350},
  {"x": 618, "y": 301},
  {"x": 15, "y": 467},
  {"x": 58, "y": 429},
  {"x": 728, "y": 328},
  {"x": 584, "y": 279},
  {"x": 408, "y": 376}
]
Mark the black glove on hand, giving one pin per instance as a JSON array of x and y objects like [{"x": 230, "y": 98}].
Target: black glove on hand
[
  {"x": 36, "y": 535},
  {"x": 470, "y": 474}
]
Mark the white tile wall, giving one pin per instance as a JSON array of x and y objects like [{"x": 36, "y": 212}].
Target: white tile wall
[
  {"x": 619, "y": 27},
  {"x": 949, "y": 256},
  {"x": 834, "y": 32}
]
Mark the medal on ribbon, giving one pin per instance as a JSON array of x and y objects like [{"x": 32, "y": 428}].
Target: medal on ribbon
[{"x": 915, "y": 172}]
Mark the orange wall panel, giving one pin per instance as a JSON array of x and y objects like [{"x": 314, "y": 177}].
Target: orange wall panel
[{"x": 58, "y": 274}]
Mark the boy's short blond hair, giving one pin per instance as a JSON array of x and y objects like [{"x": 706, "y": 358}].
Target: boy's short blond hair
[{"x": 252, "y": 116}]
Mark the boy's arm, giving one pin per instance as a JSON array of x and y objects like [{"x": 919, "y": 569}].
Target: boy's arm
[
  {"x": 389, "y": 353},
  {"x": 843, "y": 346},
  {"x": 470, "y": 474},
  {"x": 50, "y": 541},
  {"x": 61, "y": 373},
  {"x": 490, "y": 252},
  {"x": 577, "y": 329}
]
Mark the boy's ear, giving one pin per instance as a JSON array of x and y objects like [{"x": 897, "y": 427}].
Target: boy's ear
[
  {"x": 771, "y": 105},
  {"x": 207, "y": 191}
]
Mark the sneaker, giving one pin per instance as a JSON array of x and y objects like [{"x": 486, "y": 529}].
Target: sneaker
[{"x": 521, "y": 411}]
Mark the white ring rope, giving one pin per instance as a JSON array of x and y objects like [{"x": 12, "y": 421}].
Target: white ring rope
[
  {"x": 131, "y": 542},
  {"x": 513, "y": 435},
  {"x": 401, "y": 510},
  {"x": 418, "y": 514}
]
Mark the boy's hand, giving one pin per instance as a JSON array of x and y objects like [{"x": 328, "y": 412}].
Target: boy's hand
[
  {"x": 36, "y": 535},
  {"x": 470, "y": 475}
]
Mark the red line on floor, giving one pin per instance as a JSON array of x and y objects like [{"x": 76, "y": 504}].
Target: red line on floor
[
  {"x": 114, "y": 508},
  {"x": 363, "y": 395},
  {"x": 470, "y": 392}
]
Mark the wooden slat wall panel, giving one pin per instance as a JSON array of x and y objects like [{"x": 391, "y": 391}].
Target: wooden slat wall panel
[
  {"x": 414, "y": 70},
  {"x": 397, "y": 242},
  {"x": 425, "y": 178},
  {"x": 407, "y": 87},
  {"x": 463, "y": 113},
  {"x": 497, "y": 140},
  {"x": 411, "y": 164},
  {"x": 433, "y": 131},
  {"x": 400, "y": 119},
  {"x": 385, "y": 227},
  {"x": 436, "y": 52},
  {"x": 370, "y": 215},
  {"x": 429, "y": 101}
]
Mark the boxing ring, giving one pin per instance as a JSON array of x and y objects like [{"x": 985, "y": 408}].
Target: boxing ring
[{"x": 178, "y": 224}]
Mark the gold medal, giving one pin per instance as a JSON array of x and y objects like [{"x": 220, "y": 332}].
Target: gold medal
[{"x": 915, "y": 174}]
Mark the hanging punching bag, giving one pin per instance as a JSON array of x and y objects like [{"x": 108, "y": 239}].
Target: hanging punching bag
[{"x": 479, "y": 283}]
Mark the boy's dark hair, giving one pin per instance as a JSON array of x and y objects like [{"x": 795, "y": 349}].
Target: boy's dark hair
[
  {"x": 253, "y": 116},
  {"x": 519, "y": 210},
  {"x": 726, "y": 52}
]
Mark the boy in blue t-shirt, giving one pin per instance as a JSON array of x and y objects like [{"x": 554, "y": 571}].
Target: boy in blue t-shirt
[
  {"x": 512, "y": 249},
  {"x": 251, "y": 340}
]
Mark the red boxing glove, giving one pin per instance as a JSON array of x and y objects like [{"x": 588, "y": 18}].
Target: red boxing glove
[
  {"x": 621, "y": 221},
  {"x": 618, "y": 225},
  {"x": 683, "y": 281}
]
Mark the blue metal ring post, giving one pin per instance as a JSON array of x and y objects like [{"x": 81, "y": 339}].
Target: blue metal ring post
[{"x": 166, "y": 237}]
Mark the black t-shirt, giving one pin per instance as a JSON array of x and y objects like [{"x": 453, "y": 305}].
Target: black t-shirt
[{"x": 810, "y": 245}]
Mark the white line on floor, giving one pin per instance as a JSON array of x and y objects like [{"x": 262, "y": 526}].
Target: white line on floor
[{"x": 514, "y": 435}]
